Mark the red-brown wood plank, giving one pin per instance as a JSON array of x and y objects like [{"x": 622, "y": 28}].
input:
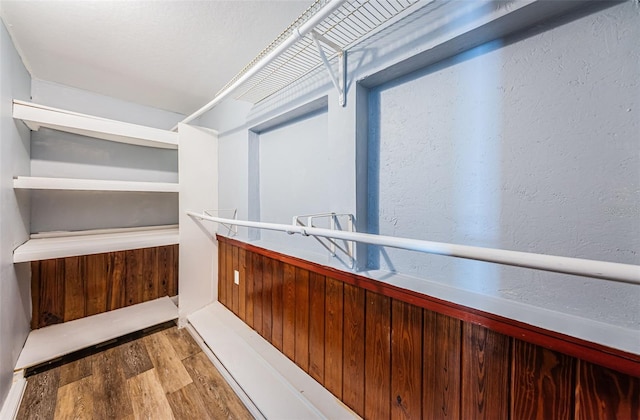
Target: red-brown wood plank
[
  {"x": 406, "y": 361},
  {"x": 603, "y": 393},
  {"x": 228, "y": 266},
  {"x": 317, "y": 284},
  {"x": 134, "y": 285},
  {"x": 377, "y": 360},
  {"x": 116, "y": 296},
  {"x": 302, "y": 319},
  {"x": 74, "y": 288},
  {"x": 242, "y": 288},
  {"x": 222, "y": 273},
  {"x": 616, "y": 359},
  {"x": 235, "y": 292},
  {"x": 165, "y": 270},
  {"x": 267, "y": 292},
  {"x": 442, "y": 353},
  {"x": 276, "y": 305},
  {"x": 249, "y": 292},
  {"x": 150, "y": 274},
  {"x": 542, "y": 384},
  {"x": 50, "y": 293},
  {"x": 333, "y": 356},
  {"x": 289, "y": 311},
  {"x": 354, "y": 340},
  {"x": 96, "y": 270},
  {"x": 172, "y": 268},
  {"x": 485, "y": 373},
  {"x": 35, "y": 294},
  {"x": 257, "y": 292}
]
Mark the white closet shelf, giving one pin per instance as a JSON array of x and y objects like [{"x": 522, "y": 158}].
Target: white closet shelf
[
  {"x": 54, "y": 341},
  {"x": 45, "y": 183},
  {"x": 71, "y": 244},
  {"x": 36, "y": 116}
]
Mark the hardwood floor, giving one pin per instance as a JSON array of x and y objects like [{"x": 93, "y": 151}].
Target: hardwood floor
[{"x": 164, "y": 375}]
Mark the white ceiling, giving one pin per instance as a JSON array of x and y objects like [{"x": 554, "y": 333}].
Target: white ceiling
[{"x": 174, "y": 55}]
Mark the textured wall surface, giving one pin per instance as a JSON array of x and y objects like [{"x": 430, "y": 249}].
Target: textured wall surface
[
  {"x": 530, "y": 143},
  {"x": 463, "y": 124},
  {"x": 293, "y": 176},
  {"x": 14, "y": 212}
]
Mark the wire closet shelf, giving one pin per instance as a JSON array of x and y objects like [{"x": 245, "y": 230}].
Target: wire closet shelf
[
  {"x": 351, "y": 22},
  {"x": 294, "y": 54}
]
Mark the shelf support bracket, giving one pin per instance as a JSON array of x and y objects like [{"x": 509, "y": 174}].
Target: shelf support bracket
[{"x": 339, "y": 80}]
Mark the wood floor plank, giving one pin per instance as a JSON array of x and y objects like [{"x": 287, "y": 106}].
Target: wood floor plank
[
  {"x": 76, "y": 370},
  {"x": 186, "y": 404},
  {"x": 111, "y": 397},
  {"x": 75, "y": 400},
  {"x": 218, "y": 397},
  {"x": 182, "y": 342},
  {"x": 148, "y": 397},
  {"x": 170, "y": 371},
  {"x": 39, "y": 400},
  {"x": 134, "y": 358}
]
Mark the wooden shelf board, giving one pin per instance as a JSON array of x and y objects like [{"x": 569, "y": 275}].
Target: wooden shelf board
[
  {"x": 51, "y": 342},
  {"x": 36, "y": 116},
  {"x": 81, "y": 244},
  {"x": 277, "y": 386},
  {"x": 74, "y": 184}
]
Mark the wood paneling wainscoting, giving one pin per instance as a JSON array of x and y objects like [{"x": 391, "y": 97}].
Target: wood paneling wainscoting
[
  {"x": 64, "y": 289},
  {"x": 387, "y": 352}
]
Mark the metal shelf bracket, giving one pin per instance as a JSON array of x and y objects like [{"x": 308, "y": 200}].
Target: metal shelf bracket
[{"x": 340, "y": 79}]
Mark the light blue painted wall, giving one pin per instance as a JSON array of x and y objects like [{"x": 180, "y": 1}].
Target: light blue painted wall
[
  {"x": 533, "y": 146},
  {"x": 293, "y": 161},
  {"x": 528, "y": 134},
  {"x": 15, "y": 300}
]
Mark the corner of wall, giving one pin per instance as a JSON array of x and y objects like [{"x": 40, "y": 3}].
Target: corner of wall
[{"x": 14, "y": 212}]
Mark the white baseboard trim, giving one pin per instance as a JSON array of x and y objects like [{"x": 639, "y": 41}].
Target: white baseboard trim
[
  {"x": 255, "y": 412},
  {"x": 14, "y": 398},
  {"x": 275, "y": 384}
]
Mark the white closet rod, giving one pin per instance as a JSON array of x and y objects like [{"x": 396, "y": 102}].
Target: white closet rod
[
  {"x": 297, "y": 34},
  {"x": 625, "y": 273}
]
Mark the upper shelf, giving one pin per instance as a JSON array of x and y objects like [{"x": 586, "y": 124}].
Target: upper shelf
[
  {"x": 36, "y": 116},
  {"x": 349, "y": 22},
  {"x": 42, "y": 183}
]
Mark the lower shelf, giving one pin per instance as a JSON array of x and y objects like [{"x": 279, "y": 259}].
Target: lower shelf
[
  {"x": 87, "y": 243},
  {"x": 277, "y": 387},
  {"x": 51, "y": 342}
]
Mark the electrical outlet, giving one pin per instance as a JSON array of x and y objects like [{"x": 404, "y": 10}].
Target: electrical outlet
[{"x": 236, "y": 276}]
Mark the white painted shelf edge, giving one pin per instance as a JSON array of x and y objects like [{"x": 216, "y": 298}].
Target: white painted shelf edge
[
  {"x": 36, "y": 116},
  {"x": 82, "y": 244},
  {"x": 277, "y": 386},
  {"x": 76, "y": 184},
  {"x": 54, "y": 341}
]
